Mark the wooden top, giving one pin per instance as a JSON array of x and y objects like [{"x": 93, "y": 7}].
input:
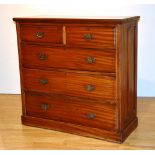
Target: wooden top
[{"x": 99, "y": 20}]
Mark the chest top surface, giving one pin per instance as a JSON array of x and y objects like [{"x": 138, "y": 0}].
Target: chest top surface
[{"x": 94, "y": 19}]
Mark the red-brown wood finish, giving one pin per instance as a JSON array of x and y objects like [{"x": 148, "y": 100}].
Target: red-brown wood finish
[
  {"x": 79, "y": 75},
  {"x": 50, "y": 33},
  {"x": 100, "y": 37},
  {"x": 69, "y": 58},
  {"x": 128, "y": 90},
  {"x": 71, "y": 83},
  {"x": 66, "y": 109}
]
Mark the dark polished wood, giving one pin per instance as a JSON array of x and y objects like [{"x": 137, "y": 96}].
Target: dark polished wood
[{"x": 79, "y": 75}]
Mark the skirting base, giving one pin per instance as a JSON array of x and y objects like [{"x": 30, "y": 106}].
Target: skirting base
[{"x": 80, "y": 130}]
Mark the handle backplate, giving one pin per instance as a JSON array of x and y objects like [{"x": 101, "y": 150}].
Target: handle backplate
[
  {"x": 90, "y": 115},
  {"x": 89, "y": 87},
  {"x": 88, "y": 36},
  {"x": 40, "y": 34},
  {"x": 43, "y": 81},
  {"x": 44, "y": 106},
  {"x": 90, "y": 60},
  {"x": 42, "y": 56}
]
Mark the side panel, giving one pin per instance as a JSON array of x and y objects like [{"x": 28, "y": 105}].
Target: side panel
[{"x": 127, "y": 68}]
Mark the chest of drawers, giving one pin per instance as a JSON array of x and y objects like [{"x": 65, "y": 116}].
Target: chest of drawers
[{"x": 79, "y": 75}]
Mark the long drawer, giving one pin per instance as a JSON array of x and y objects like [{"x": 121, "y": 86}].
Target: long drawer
[
  {"x": 71, "y": 58},
  {"x": 79, "y": 84},
  {"x": 91, "y": 37},
  {"x": 83, "y": 112},
  {"x": 41, "y": 33}
]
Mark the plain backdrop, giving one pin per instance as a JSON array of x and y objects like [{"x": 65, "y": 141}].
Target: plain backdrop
[{"x": 9, "y": 69}]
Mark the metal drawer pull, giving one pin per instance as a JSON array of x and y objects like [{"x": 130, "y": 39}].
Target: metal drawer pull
[
  {"x": 91, "y": 116},
  {"x": 88, "y": 36},
  {"x": 42, "y": 56},
  {"x": 90, "y": 60},
  {"x": 40, "y": 34},
  {"x": 44, "y": 106},
  {"x": 89, "y": 87},
  {"x": 43, "y": 81}
]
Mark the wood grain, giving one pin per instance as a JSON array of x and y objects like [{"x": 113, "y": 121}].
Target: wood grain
[
  {"x": 51, "y": 33},
  {"x": 127, "y": 68},
  {"x": 70, "y": 83},
  {"x": 72, "y": 58},
  {"x": 71, "y": 110},
  {"x": 14, "y": 135},
  {"x": 102, "y": 37},
  {"x": 62, "y": 68}
]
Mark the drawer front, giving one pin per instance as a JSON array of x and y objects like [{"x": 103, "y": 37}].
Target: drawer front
[
  {"x": 40, "y": 33},
  {"x": 80, "y": 59},
  {"x": 71, "y": 110},
  {"x": 91, "y": 37},
  {"x": 70, "y": 83}
]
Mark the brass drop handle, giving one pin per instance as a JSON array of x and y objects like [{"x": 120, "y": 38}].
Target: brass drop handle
[
  {"x": 40, "y": 34},
  {"x": 89, "y": 87},
  {"x": 88, "y": 36},
  {"x": 90, "y": 60},
  {"x": 44, "y": 106},
  {"x": 42, "y": 56},
  {"x": 91, "y": 115},
  {"x": 43, "y": 81}
]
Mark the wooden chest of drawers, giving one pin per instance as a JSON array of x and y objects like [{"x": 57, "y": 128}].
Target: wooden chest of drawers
[{"x": 79, "y": 75}]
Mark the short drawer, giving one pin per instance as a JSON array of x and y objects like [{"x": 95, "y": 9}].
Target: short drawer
[
  {"x": 72, "y": 58},
  {"x": 41, "y": 33},
  {"x": 79, "y": 84},
  {"x": 91, "y": 37},
  {"x": 60, "y": 108}
]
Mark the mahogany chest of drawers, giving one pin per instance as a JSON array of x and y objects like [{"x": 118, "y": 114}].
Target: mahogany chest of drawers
[{"x": 79, "y": 75}]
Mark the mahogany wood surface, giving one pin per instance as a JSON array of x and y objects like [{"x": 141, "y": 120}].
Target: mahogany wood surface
[
  {"x": 70, "y": 83},
  {"x": 52, "y": 34},
  {"x": 128, "y": 58},
  {"x": 71, "y": 110},
  {"x": 101, "y": 37},
  {"x": 79, "y": 75},
  {"x": 69, "y": 58},
  {"x": 85, "y": 20}
]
